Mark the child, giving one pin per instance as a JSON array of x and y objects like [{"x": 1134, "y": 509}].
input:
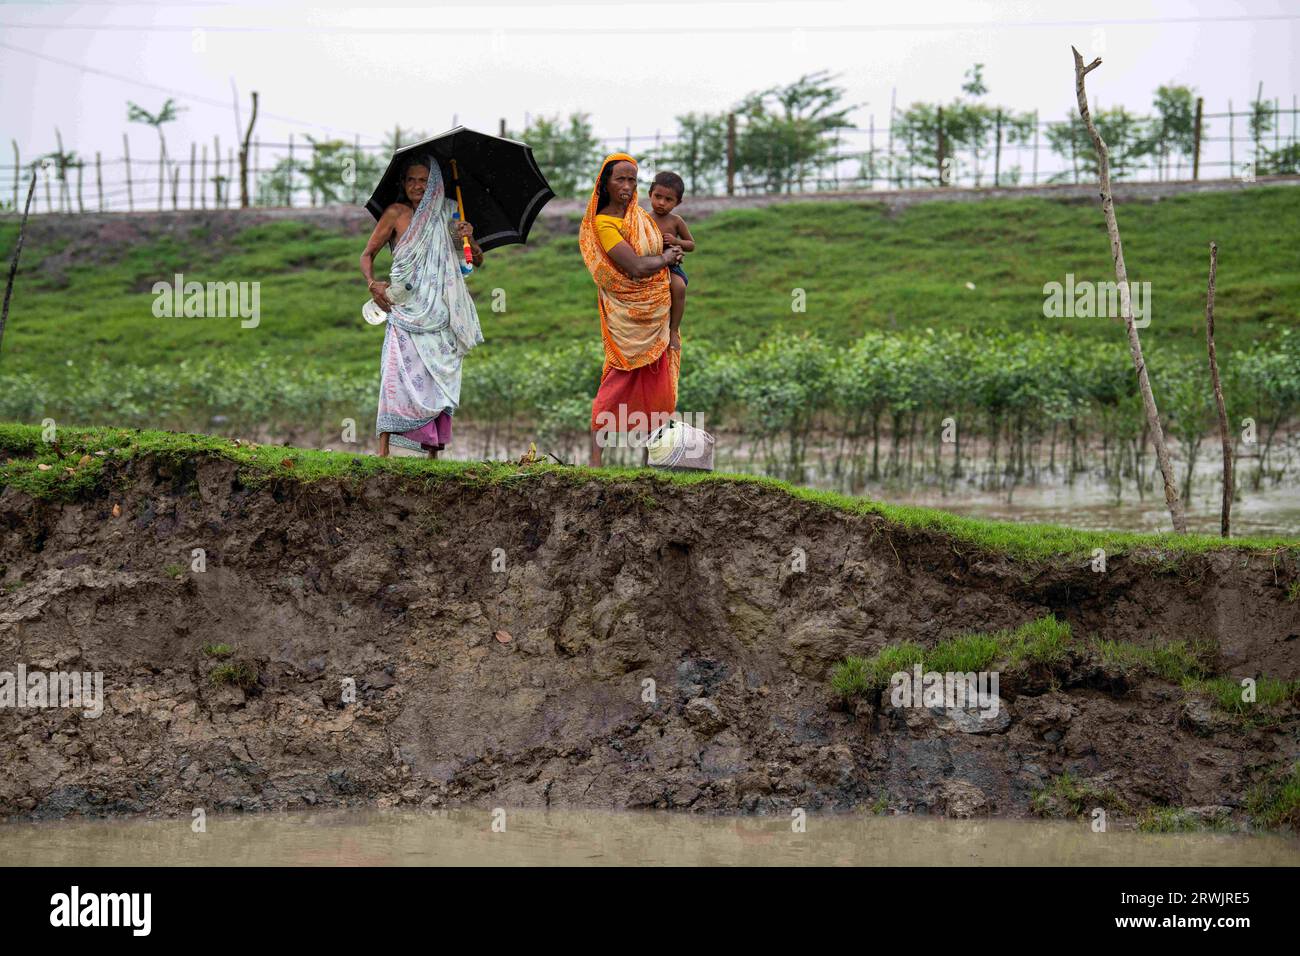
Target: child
[{"x": 666, "y": 195}]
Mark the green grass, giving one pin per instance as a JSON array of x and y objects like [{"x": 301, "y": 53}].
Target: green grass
[
  {"x": 1039, "y": 642},
  {"x": 1176, "y": 661},
  {"x": 1073, "y": 796},
  {"x": 861, "y": 268},
  {"x": 240, "y": 673},
  {"x": 1277, "y": 802},
  {"x": 22, "y": 451},
  {"x": 218, "y": 650},
  {"x": 1229, "y": 696},
  {"x": 1176, "y": 820}
]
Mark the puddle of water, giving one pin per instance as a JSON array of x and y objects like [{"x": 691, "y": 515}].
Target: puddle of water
[{"x": 595, "y": 838}]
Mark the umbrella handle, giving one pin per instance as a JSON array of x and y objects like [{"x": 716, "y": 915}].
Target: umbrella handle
[{"x": 460, "y": 214}]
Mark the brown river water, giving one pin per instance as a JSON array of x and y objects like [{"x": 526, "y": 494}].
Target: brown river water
[{"x": 604, "y": 838}]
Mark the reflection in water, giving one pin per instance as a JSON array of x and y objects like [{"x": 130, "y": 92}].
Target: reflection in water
[{"x": 536, "y": 837}]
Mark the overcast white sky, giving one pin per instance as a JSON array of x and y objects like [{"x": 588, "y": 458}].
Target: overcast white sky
[{"x": 635, "y": 65}]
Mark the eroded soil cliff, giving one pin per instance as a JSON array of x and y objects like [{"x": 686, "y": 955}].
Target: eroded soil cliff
[{"x": 502, "y": 639}]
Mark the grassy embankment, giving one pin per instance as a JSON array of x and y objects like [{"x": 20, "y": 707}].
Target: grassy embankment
[{"x": 74, "y": 467}]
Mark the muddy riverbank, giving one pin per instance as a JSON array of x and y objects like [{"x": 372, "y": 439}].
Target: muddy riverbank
[{"x": 556, "y": 641}]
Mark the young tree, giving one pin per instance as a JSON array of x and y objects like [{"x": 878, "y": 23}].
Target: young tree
[
  {"x": 168, "y": 113},
  {"x": 699, "y": 154},
  {"x": 567, "y": 153},
  {"x": 1173, "y": 128},
  {"x": 782, "y": 141}
]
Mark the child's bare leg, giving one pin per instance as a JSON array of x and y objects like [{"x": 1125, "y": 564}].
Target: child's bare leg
[{"x": 677, "y": 287}]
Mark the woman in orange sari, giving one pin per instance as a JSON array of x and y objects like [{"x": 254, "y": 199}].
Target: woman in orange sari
[{"x": 624, "y": 252}]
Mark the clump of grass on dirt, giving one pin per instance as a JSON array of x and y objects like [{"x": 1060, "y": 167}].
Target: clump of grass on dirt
[
  {"x": 236, "y": 673},
  {"x": 1068, "y": 795},
  {"x": 1175, "y": 661},
  {"x": 1277, "y": 802},
  {"x": 218, "y": 650},
  {"x": 1229, "y": 696},
  {"x": 1042, "y": 642},
  {"x": 1178, "y": 820}
]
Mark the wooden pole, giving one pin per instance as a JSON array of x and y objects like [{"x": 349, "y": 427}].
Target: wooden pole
[
  {"x": 99, "y": 180},
  {"x": 45, "y": 178},
  {"x": 176, "y": 187},
  {"x": 1196, "y": 141},
  {"x": 1232, "y": 158},
  {"x": 18, "y": 248},
  {"x": 502, "y": 128},
  {"x": 230, "y": 175},
  {"x": 81, "y": 206},
  {"x": 731, "y": 154},
  {"x": 18, "y": 171},
  {"x": 1225, "y": 516},
  {"x": 126, "y": 152},
  {"x": 203, "y": 179},
  {"x": 939, "y": 146},
  {"x": 997, "y": 151},
  {"x": 1172, "y": 499},
  {"x": 1035, "y": 147},
  {"x": 871, "y": 150},
  {"x": 258, "y": 195},
  {"x": 288, "y": 188},
  {"x": 356, "y": 165},
  {"x": 889, "y": 150},
  {"x": 64, "y": 205},
  {"x": 243, "y": 157},
  {"x": 193, "y": 150},
  {"x": 162, "y": 170},
  {"x": 216, "y": 171}
]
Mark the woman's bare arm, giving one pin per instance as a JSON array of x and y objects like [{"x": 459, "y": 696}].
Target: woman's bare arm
[
  {"x": 383, "y": 232},
  {"x": 641, "y": 267}
]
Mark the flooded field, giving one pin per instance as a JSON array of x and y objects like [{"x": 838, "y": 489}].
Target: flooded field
[{"x": 589, "y": 838}]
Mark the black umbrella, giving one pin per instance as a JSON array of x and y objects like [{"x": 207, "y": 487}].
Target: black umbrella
[{"x": 500, "y": 184}]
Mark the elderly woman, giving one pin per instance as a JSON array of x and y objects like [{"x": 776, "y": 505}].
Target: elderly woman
[
  {"x": 624, "y": 251},
  {"x": 433, "y": 322}
]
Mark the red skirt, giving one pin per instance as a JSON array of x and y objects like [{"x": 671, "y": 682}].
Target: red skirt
[{"x": 639, "y": 400}]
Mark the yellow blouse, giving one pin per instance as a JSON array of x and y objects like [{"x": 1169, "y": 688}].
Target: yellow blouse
[{"x": 607, "y": 230}]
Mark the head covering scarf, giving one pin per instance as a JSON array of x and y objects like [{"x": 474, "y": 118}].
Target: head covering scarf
[
  {"x": 633, "y": 312},
  {"x": 426, "y": 258}
]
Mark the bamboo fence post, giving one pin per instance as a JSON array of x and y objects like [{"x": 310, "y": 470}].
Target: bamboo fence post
[
  {"x": 230, "y": 177},
  {"x": 288, "y": 188},
  {"x": 871, "y": 150},
  {"x": 81, "y": 206},
  {"x": 889, "y": 149},
  {"x": 176, "y": 187},
  {"x": 502, "y": 128},
  {"x": 243, "y": 157},
  {"x": 997, "y": 151},
  {"x": 18, "y": 171},
  {"x": 162, "y": 170},
  {"x": 216, "y": 171},
  {"x": 1172, "y": 499},
  {"x": 62, "y": 170},
  {"x": 45, "y": 178},
  {"x": 939, "y": 149},
  {"x": 1196, "y": 141},
  {"x": 731, "y": 154},
  {"x": 1035, "y": 181},
  {"x": 18, "y": 248},
  {"x": 203, "y": 179},
  {"x": 193, "y": 150},
  {"x": 257, "y": 170},
  {"x": 1225, "y": 516},
  {"x": 126, "y": 152},
  {"x": 1232, "y": 157},
  {"x": 99, "y": 180}
]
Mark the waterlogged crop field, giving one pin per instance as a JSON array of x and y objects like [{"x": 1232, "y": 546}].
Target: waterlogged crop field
[{"x": 906, "y": 347}]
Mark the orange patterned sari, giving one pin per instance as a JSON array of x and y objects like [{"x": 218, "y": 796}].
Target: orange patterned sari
[{"x": 640, "y": 373}]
